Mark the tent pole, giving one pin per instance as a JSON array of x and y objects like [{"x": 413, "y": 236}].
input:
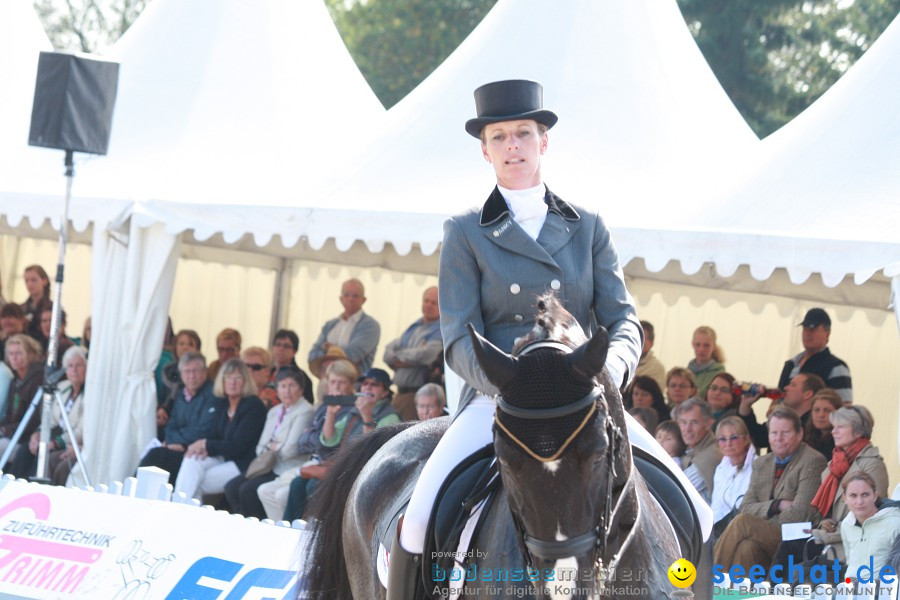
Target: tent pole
[
  {"x": 280, "y": 297},
  {"x": 9, "y": 267},
  {"x": 895, "y": 304}
]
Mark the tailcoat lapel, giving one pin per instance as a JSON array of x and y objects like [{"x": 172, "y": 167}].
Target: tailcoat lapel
[{"x": 499, "y": 227}]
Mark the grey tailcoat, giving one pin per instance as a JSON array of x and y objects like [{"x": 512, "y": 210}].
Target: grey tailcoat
[{"x": 491, "y": 273}]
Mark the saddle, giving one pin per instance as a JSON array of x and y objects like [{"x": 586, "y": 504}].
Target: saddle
[
  {"x": 471, "y": 485},
  {"x": 673, "y": 498},
  {"x": 476, "y": 481},
  {"x": 473, "y": 482}
]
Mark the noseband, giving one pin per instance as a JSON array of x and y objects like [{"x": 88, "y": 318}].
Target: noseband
[{"x": 596, "y": 538}]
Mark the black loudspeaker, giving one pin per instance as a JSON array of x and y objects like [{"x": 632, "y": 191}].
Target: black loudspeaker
[{"x": 73, "y": 103}]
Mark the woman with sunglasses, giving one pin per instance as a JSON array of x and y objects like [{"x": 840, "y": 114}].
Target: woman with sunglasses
[
  {"x": 259, "y": 363},
  {"x": 732, "y": 476}
]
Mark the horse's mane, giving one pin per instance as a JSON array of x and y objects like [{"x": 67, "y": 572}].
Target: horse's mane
[
  {"x": 327, "y": 569},
  {"x": 552, "y": 323}
]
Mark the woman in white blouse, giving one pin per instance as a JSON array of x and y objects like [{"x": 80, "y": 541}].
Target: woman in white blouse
[{"x": 732, "y": 476}]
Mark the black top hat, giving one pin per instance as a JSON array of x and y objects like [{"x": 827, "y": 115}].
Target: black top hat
[
  {"x": 510, "y": 100},
  {"x": 815, "y": 317}
]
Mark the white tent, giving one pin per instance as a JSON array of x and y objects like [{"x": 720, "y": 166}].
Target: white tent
[
  {"x": 21, "y": 39},
  {"x": 642, "y": 114},
  {"x": 822, "y": 194},
  {"x": 626, "y": 73}
]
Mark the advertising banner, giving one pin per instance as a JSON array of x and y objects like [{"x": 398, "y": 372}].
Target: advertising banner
[{"x": 65, "y": 543}]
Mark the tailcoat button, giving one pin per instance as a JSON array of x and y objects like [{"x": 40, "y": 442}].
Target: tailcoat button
[
  {"x": 555, "y": 284},
  {"x": 514, "y": 288}
]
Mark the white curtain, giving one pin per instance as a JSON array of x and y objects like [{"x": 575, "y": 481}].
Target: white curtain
[
  {"x": 134, "y": 272},
  {"x": 895, "y": 304}
]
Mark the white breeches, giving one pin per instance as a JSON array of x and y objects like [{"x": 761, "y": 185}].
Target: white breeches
[
  {"x": 274, "y": 494},
  {"x": 200, "y": 476},
  {"x": 469, "y": 431}
]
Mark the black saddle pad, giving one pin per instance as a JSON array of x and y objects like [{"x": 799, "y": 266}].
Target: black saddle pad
[
  {"x": 675, "y": 502},
  {"x": 473, "y": 480}
]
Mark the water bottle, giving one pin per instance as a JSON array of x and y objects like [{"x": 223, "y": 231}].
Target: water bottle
[{"x": 744, "y": 388}]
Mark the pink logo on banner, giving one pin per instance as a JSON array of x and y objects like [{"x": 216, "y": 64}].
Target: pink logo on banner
[
  {"x": 38, "y": 503},
  {"x": 35, "y": 562}
]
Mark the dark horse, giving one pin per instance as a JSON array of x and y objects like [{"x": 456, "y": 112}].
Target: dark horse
[{"x": 570, "y": 500}]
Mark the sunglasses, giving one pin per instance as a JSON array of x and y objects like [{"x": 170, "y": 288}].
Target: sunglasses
[
  {"x": 254, "y": 367},
  {"x": 731, "y": 438}
]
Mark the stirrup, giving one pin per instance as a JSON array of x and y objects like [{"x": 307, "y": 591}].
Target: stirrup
[{"x": 403, "y": 571}]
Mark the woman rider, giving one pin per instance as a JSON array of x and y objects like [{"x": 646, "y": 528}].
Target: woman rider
[{"x": 494, "y": 263}]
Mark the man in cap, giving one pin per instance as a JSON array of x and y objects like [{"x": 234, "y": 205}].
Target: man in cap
[
  {"x": 817, "y": 359},
  {"x": 373, "y": 409}
]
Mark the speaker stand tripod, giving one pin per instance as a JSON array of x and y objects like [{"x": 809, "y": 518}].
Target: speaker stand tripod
[{"x": 52, "y": 374}]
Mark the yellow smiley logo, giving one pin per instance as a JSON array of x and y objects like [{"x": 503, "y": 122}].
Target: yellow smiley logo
[{"x": 682, "y": 573}]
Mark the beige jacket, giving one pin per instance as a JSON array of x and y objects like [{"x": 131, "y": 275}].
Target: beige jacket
[
  {"x": 799, "y": 483},
  {"x": 706, "y": 456}
]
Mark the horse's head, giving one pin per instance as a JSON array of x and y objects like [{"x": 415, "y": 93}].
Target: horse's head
[{"x": 560, "y": 441}]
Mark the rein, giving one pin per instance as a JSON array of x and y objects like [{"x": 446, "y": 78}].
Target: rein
[{"x": 598, "y": 537}]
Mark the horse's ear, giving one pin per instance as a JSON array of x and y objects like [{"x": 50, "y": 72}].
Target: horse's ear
[
  {"x": 588, "y": 359},
  {"x": 499, "y": 366}
]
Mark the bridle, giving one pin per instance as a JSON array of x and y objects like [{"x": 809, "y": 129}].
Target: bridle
[{"x": 596, "y": 538}]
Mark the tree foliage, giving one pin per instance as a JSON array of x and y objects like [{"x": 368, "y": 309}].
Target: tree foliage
[
  {"x": 775, "y": 57},
  {"x": 87, "y": 25},
  {"x": 398, "y": 43}
]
